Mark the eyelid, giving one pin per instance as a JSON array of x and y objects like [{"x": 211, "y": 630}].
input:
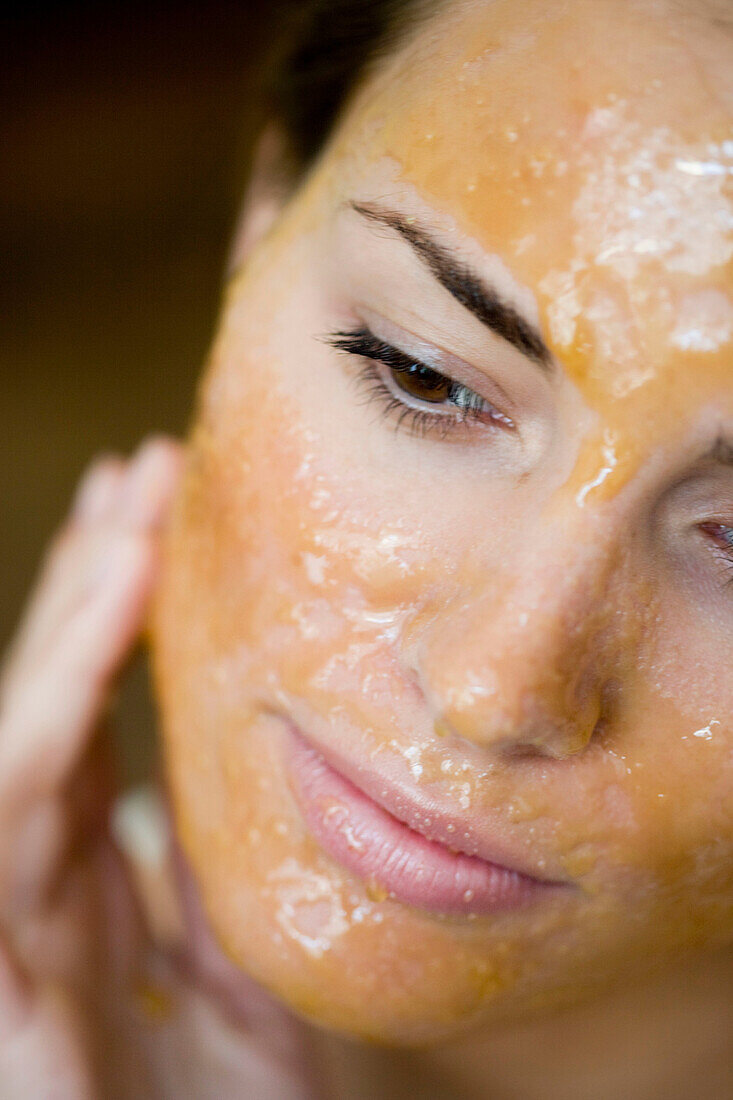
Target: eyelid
[
  {"x": 441, "y": 361},
  {"x": 471, "y": 406},
  {"x": 370, "y": 352}
]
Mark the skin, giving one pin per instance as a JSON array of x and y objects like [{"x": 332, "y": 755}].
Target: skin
[
  {"x": 109, "y": 984},
  {"x": 534, "y": 626},
  {"x": 109, "y": 978}
]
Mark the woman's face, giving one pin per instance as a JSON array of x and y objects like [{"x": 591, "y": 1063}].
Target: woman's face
[{"x": 503, "y": 605}]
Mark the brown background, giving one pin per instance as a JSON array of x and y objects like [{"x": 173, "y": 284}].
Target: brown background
[{"x": 124, "y": 136}]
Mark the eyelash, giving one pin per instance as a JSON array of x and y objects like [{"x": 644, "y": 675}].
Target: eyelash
[
  {"x": 722, "y": 536},
  {"x": 363, "y": 344},
  {"x": 468, "y": 406}
]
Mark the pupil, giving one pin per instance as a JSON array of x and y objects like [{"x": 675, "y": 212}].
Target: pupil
[{"x": 424, "y": 384}]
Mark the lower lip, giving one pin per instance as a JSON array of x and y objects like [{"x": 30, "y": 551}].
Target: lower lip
[{"x": 392, "y": 858}]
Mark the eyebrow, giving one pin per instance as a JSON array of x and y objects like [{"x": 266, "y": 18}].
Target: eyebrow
[
  {"x": 474, "y": 293},
  {"x": 721, "y": 452}
]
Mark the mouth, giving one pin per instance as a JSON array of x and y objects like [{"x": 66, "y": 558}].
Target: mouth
[{"x": 393, "y": 847}]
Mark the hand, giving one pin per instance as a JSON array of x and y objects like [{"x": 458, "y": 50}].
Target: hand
[{"x": 91, "y": 1001}]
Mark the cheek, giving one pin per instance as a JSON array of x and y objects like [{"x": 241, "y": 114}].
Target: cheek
[
  {"x": 284, "y": 586},
  {"x": 330, "y": 545},
  {"x": 307, "y": 562},
  {"x": 677, "y": 749}
]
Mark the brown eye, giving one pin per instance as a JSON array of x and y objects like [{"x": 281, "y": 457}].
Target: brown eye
[
  {"x": 455, "y": 403},
  {"x": 423, "y": 383}
]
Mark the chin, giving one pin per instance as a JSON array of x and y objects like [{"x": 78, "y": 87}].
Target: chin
[{"x": 398, "y": 977}]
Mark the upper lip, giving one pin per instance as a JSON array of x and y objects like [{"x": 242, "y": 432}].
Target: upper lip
[{"x": 425, "y": 815}]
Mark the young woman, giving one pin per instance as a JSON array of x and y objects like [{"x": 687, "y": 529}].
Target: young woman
[{"x": 443, "y": 621}]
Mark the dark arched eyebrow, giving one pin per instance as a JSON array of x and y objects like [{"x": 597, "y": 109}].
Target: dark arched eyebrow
[{"x": 478, "y": 296}]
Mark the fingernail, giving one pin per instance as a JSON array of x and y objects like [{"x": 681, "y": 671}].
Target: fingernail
[
  {"x": 96, "y": 489},
  {"x": 148, "y": 484}
]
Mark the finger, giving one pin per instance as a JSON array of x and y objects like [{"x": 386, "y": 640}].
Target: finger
[
  {"x": 74, "y": 555},
  {"x": 30, "y": 858},
  {"x": 51, "y": 702},
  {"x": 15, "y": 996},
  {"x": 102, "y": 505},
  {"x": 64, "y": 560},
  {"x": 97, "y": 489},
  {"x": 148, "y": 487},
  {"x": 50, "y": 711},
  {"x": 56, "y": 833},
  {"x": 41, "y": 1047}
]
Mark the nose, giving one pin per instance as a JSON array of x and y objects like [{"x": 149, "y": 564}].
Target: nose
[{"x": 522, "y": 657}]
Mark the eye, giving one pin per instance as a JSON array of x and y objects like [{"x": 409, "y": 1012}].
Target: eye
[
  {"x": 721, "y": 537},
  {"x": 420, "y": 396},
  {"x": 424, "y": 383}
]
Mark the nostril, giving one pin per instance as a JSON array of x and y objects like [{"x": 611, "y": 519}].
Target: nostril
[
  {"x": 521, "y": 752},
  {"x": 545, "y": 701}
]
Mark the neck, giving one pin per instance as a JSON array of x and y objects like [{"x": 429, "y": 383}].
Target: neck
[{"x": 670, "y": 1037}]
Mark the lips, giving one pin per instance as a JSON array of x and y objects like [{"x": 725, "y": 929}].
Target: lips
[{"x": 390, "y": 856}]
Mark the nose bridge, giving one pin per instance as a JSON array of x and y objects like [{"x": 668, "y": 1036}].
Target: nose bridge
[{"x": 521, "y": 658}]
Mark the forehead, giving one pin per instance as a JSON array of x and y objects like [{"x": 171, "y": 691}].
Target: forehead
[
  {"x": 502, "y": 92},
  {"x": 590, "y": 146}
]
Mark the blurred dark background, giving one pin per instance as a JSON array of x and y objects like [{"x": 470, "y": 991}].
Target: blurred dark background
[{"x": 125, "y": 139}]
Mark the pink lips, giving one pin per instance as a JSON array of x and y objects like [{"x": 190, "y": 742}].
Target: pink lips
[{"x": 378, "y": 848}]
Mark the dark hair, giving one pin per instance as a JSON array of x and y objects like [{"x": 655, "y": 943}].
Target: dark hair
[{"x": 327, "y": 47}]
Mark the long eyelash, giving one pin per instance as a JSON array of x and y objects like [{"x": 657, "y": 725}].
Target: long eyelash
[
  {"x": 419, "y": 421},
  {"x": 727, "y": 561},
  {"x": 723, "y": 555},
  {"x": 364, "y": 344}
]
